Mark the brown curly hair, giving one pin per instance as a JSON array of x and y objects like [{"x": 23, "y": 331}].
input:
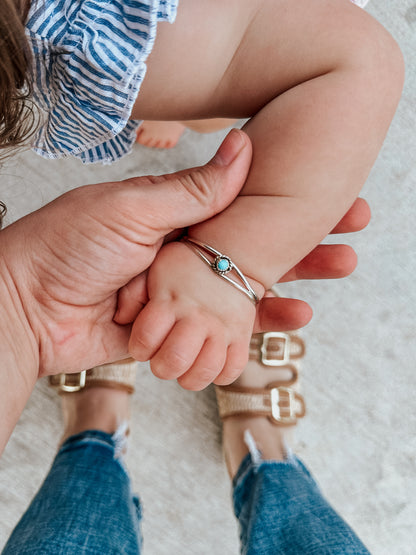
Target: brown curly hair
[
  {"x": 17, "y": 119},
  {"x": 17, "y": 115},
  {"x": 3, "y": 211}
]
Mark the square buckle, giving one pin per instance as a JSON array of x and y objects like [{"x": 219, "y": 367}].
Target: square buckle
[
  {"x": 75, "y": 386},
  {"x": 285, "y": 358},
  {"x": 283, "y": 401}
]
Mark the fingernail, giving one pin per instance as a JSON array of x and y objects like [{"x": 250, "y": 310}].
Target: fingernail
[{"x": 230, "y": 148}]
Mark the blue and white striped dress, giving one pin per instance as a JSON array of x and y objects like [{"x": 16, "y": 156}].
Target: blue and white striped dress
[{"x": 88, "y": 64}]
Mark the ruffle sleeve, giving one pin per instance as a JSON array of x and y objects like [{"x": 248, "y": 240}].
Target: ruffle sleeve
[{"x": 88, "y": 64}]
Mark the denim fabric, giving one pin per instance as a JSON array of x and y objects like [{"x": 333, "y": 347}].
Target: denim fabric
[
  {"x": 281, "y": 511},
  {"x": 85, "y": 505}
]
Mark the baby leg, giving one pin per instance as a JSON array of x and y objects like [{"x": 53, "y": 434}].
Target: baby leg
[{"x": 321, "y": 82}]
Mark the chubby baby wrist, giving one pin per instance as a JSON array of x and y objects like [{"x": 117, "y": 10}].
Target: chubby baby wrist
[{"x": 226, "y": 268}]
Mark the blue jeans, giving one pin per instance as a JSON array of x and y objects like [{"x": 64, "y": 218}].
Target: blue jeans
[{"x": 86, "y": 506}]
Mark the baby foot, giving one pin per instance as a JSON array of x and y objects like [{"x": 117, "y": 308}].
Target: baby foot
[
  {"x": 166, "y": 134},
  {"x": 160, "y": 134}
]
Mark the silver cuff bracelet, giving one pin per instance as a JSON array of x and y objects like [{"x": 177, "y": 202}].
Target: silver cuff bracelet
[{"x": 221, "y": 265}]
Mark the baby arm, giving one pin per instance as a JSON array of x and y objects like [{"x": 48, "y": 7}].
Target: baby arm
[
  {"x": 299, "y": 186},
  {"x": 321, "y": 111},
  {"x": 196, "y": 327}
]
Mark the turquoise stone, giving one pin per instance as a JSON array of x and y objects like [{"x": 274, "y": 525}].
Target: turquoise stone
[{"x": 223, "y": 265}]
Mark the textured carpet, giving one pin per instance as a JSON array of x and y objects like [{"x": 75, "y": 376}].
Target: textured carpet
[{"x": 359, "y": 438}]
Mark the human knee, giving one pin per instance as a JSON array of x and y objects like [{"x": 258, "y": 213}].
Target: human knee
[
  {"x": 377, "y": 61},
  {"x": 388, "y": 63}
]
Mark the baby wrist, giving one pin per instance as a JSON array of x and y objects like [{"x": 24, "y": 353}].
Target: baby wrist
[{"x": 226, "y": 268}]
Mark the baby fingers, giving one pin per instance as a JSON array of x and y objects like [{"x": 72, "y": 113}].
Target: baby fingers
[
  {"x": 149, "y": 331},
  {"x": 237, "y": 358},
  {"x": 179, "y": 350},
  {"x": 207, "y": 365}
]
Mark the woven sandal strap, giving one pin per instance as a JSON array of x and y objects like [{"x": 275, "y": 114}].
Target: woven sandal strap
[
  {"x": 282, "y": 405},
  {"x": 118, "y": 375},
  {"x": 276, "y": 348}
]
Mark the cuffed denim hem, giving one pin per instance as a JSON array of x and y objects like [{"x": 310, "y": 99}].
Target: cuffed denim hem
[
  {"x": 85, "y": 505},
  {"x": 116, "y": 443},
  {"x": 281, "y": 511}
]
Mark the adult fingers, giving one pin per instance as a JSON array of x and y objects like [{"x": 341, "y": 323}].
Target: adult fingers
[
  {"x": 179, "y": 200},
  {"x": 333, "y": 261},
  {"x": 324, "y": 262},
  {"x": 280, "y": 314},
  {"x": 356, "y": 219},
  {"x": 131, "y": 299}
]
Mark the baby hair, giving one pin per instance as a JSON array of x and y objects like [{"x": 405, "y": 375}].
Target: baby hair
[
  {"x": 17, "y": 119},
  {"x": 3, "y": 211}
]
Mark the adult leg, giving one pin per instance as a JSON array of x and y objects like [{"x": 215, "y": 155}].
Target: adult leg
[
  {"x": 281, "y": 510},
  {"x": 85, "y": 504},
  {"x": 278, "y": 504}
]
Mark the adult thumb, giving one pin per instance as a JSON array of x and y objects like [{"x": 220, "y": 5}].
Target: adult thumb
[{"x": 190, "y": 196}]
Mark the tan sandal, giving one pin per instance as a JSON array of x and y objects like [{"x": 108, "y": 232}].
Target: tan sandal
[
  {"x": 117, "y": 375},
  {"x": 279, "y": 401}
]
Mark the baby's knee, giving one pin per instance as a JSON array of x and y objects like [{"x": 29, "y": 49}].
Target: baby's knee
[
  {"x": 387, "y": 57},
  {"x": 378, "y": 61}
]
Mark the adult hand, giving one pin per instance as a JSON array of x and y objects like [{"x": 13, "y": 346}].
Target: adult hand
[
  {"x": 67, "y": 260},
  {"x": 62, "y": 266}
]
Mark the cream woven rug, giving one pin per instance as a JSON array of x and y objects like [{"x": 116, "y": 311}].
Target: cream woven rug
[{"x": 359, "y": 436}]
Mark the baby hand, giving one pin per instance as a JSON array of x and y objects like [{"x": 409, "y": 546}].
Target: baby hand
[{"x": 196, "y": 327}]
